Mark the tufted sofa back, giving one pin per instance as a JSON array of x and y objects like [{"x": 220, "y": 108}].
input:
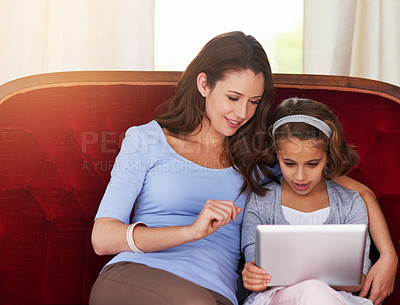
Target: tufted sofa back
[{"x": 60, "y": 134}]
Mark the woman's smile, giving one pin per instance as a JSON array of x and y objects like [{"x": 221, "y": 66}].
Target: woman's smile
[{"x": 233, "y": 123}]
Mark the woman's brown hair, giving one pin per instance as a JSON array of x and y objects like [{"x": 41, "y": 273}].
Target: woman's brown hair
[
  {"x": 229, "y": 52},
  {"x": 341, "y": 157}
]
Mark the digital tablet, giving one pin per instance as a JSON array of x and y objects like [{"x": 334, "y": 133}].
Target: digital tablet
[{"x": 294, "y": 253}]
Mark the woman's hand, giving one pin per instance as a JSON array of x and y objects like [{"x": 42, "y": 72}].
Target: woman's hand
[
  {"x": 215, "y": 214},
  {"x": 255, "y": 278},
  {"x": 380, "y": 279}
]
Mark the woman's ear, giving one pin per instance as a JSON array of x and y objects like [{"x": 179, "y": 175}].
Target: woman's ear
[{"x": 202, "y": 84}]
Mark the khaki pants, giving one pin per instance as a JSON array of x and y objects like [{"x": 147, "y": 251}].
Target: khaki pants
[{"x": 129, "y": 283}]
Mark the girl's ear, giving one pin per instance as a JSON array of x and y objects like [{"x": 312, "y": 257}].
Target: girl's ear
[{"x": 202, "y": 84}]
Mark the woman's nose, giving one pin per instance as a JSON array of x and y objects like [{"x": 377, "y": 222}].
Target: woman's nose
[{"x": 241, "y": 109}]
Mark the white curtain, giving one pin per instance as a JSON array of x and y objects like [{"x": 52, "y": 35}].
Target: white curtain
[
  {"x": 38, "y": 36},
  {"x": 353, "y": 37}
]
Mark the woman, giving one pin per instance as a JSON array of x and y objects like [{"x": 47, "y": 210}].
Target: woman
[{"x": 187, "y": 175}]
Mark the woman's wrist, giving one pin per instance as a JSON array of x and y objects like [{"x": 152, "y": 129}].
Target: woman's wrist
[
  {"x": 192, "y": 233},
  {"x": 389, "y": 255},
  {"x": 151, "y": 239}
]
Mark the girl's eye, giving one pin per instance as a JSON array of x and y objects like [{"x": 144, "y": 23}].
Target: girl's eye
[
  {"x": 234, "y": 99},
  {"x": 312, "y": 164},
  {"x": 289, "y": 164}
]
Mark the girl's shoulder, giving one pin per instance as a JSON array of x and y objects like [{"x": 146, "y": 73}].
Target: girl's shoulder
[{"x": 272, "y": 188}]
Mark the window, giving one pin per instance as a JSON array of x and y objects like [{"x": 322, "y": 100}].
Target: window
[{"x": 182, "y": 27}]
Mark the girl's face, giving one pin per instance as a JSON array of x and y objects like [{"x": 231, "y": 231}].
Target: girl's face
[
  {"x": 302, "y": 164},
  {"x": 232, "y": 102}
]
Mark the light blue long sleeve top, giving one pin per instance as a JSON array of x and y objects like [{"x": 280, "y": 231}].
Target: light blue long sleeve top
[{"x": 166, "y": 189}]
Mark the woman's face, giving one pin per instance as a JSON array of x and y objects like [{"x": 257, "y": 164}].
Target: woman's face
[{"x": 232, "y": 102}]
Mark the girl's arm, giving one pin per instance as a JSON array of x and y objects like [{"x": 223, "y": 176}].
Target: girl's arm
[
  {"x": 379, "y": 281},
  {"x": 109, "y": 234},
  {"x": 254, "y": 278}
]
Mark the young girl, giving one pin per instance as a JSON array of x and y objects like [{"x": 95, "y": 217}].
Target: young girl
[{"x": 308, "y": 142}]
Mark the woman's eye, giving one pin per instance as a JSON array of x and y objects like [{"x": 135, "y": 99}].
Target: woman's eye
[
  {"x": 289, "y": 164},
  {"x": 255, "y": 102},
  {"x": 234, "y": 99},
  {"x": 312, "y": 164}
]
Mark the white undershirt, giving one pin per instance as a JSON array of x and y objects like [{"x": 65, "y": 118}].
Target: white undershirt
[{"x": 295, "y": 217}]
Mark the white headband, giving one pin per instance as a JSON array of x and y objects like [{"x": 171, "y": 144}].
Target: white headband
[{"x": 300, "y": 118}]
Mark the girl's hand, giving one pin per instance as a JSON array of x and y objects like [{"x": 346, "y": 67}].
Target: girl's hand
[
  {"x": 255, "y": 278},
  {"x": 215, "y": 214},
  {"x": 380, "y": 280}
]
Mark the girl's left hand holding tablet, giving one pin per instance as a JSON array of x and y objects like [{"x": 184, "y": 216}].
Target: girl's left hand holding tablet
[{"x": 254, "y": 277}]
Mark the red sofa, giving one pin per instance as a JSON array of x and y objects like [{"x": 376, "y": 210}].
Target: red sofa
[{"x": 59, "y": 135}]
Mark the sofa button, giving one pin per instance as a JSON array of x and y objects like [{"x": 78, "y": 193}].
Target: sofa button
[
  {"x": 28, "y": 130},
  {"x": 49, "y": 157},
  {"x": 27, "y": 187},
  {"x": 69, "y": 130},
  {"x": 69, "y": 188},
  {"x": 50, "y": 217},
  {"x": 87, "y": 158},
  {"x": 379, "y": 133}
]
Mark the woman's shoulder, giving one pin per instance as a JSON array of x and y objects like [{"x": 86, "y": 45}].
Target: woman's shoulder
[
  {"x": 274, "y": 170},
  {"x": 144, "y": 137},
  {"x": 342, "y": 194},
  {"x": 150, "y": 132},
  {"x": 150, "y": 128},
  {"x": 340, "y": 189}
]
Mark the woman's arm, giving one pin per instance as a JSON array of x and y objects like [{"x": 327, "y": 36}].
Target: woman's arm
[
  {"x": 109, "y": 234},
  {"x": 380, "y": 279},
  {"x": 109, "y": 237}
]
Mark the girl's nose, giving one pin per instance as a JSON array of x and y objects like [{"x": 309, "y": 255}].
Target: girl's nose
[{"x": 300, "y": 174}]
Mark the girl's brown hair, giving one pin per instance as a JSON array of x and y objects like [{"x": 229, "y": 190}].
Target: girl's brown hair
[
  {"x": 341, "y": 157},
  {"x": 229, "y": 52}
]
